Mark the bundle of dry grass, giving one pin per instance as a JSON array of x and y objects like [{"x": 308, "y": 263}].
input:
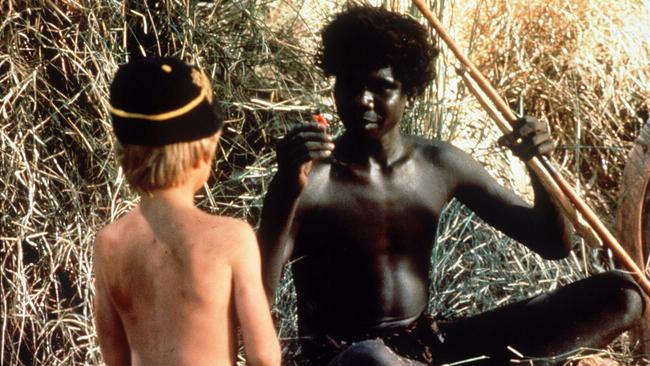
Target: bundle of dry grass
[
  {"x": 581, "y": 65},
  {"x": 60, "y": 182}
]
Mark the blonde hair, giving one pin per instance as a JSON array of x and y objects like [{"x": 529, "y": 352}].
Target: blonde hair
[{"x": 148, "y": 168}]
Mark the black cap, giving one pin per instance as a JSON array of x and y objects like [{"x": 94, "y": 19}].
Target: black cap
[{"x": 161, "y": 101}]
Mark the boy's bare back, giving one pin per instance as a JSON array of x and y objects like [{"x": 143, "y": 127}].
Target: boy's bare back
[
  {"x": 172, "y": 282},
  {"x": 169, "y": 276}
]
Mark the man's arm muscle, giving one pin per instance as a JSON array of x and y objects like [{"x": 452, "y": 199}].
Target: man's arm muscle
[
  {"x": 540, "y": 227},
  {"x": 276, "y": 244}
]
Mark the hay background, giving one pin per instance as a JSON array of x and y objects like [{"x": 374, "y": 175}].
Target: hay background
[{"x": 580, "y": 65}]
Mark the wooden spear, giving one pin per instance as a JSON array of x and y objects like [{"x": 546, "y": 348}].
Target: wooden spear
[{"x": 553, "y": 182}]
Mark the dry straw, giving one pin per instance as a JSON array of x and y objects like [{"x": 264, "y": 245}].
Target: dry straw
[{"x": 580, "y": 65}]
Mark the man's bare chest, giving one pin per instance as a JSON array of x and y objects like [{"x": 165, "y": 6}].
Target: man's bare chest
[{"x": 377, "y": 212}]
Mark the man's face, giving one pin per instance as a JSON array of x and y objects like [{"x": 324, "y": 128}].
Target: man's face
[{"x": 369, "y": 102}]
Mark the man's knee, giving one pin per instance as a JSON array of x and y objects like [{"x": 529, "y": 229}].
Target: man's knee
[
  {"x": 624, "y": 294},
  {"x": 369, "y": 352}
]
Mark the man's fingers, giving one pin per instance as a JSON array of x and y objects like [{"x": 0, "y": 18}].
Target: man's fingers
[
  {"x": 528, "y": 125},
  {"x": 292, "y": 140},
  {"x": 313, "y": 136},
  {"x": 303, "y": 143},
  {"x": 310, "y": 156},
  {"x": 304, "y": 146},
  {"x": 300, "y": 129},
  {"x": 508, "y": 140},
  {"x": 526, "y": 151},
  {"x": 546, "y": 148},
  {"x": 520, "y": 151},
  {"x": 523, "y": 128},
  {"x": 319, "y": 154},
  {"x": 319, "y": 145},
  {"x": 300, "y": 153},
  {"x": 307, "y": 127},
  {"x": 529, "y": 138},
  {"x": 541, "y": 138}
]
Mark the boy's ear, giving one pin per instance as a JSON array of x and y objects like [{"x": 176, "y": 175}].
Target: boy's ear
[
  {"x": 203, "y": 159},
  {"x": 208, "y": 156},
  {"x": 197, "y": 163}
]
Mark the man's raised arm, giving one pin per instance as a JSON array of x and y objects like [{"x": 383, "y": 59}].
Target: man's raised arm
[
  {"x": 541, "y": 227},
  {"x": 295, "y": 153}
]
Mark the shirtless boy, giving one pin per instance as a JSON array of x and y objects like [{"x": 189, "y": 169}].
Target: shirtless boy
[
  {"x": 173, "y": 283},
  {"x": 358, "y": 216}
]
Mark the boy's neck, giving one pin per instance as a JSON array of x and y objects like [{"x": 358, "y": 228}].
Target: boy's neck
[{"x": 178, "y": 197}]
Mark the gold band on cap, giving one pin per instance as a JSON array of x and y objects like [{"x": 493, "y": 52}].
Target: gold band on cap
[{"x": 161, "y": 116}]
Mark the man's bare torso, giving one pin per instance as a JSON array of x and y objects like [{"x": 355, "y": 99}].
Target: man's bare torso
[
  {"x": 363, "y": 239},
  {"x": 171, "y": 288}
]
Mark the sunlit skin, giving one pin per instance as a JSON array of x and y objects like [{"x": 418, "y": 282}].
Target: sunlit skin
[
  {"x": 173, "y": 284},
  {"x": 357, "y": 217}
]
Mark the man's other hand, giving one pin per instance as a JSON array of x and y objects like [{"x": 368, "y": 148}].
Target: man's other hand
[{"x": 529, "y": 138}]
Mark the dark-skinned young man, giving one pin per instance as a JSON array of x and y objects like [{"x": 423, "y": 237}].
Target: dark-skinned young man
[{"x": 358, "y": 216}]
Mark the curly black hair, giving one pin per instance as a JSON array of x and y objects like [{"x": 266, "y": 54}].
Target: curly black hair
[{"x": 364, "y": 37}]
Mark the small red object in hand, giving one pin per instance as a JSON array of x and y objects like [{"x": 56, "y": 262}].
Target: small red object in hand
[{"x": 320, "y": 119}]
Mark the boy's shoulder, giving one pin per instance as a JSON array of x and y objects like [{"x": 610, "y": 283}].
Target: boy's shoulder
[
  {"x": 111, "y": 237},
  {"x": 223, "y": 233},
  {"x": 208, "y": 234},
  {"x": 225, "y": 240},
  {"x": 226, "y": 227}
]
